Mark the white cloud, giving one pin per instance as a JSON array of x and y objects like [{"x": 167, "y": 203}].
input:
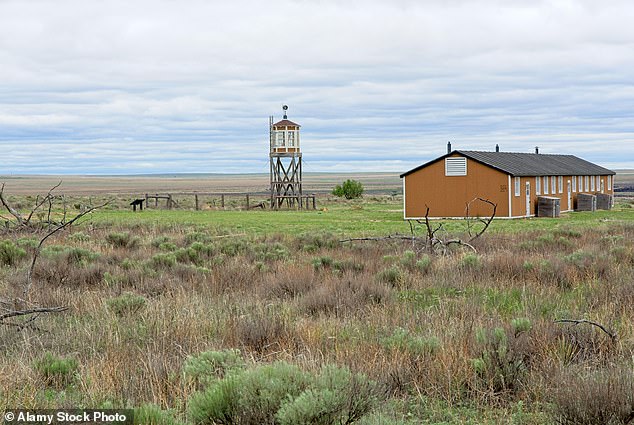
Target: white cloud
[{"x": 100, "y": 87}]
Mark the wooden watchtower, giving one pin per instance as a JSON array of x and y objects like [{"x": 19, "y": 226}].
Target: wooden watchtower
[{"x": 286, "y": 163}]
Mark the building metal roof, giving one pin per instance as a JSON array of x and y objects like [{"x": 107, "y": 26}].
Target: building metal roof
[
  {"x": 285, "y": 123},
  {"x": 519, "y": 164}
]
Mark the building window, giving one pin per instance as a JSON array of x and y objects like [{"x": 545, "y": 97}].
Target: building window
[
  {"x": 561, "y": 184},
  {"x": 580, "y": 183},
  {"x": 598, "y": 182},
  {"x": 609, "y": 182},
  {"x": 279, "y": 139},
  {"x": 538, "y": 185},
  {"x": 291, "y": 138},
  {"x": 587, "y": 184},
  {"x": 517, "y": 186},
  {"x": 574, "y": 183},
  {"x": 553, "y": 185},
  {"x": 455, "y": 166},
  {"x": 592, "y": 183},
  {"x": 545, "y": 185}
]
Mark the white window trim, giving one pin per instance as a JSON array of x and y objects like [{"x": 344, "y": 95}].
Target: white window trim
[
  {"x": 609, "y": 182},
  {"x": 538, "y": 185},
  {"x": 517, "y": 186},
  {"x": 587, "y": 183},
  {"x": 553, "y": 185},
  {"x": 574, "y": 184},
  {"x": 598, "y": 182},
  {"x": 545, "y": 185},
  {"x": 592, "y": 186},
  {"x": 561, "y": 184}
]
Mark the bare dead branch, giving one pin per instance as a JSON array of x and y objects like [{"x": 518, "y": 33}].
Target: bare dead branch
[
  {"x": 29, "y": 278},
  {"x": 40, "y": 203},
  {"x": 486, "y": 222},
  {"x": 461, "y": 243},
  {"x": 9, "y": 208},
  {"x": 382, "y": 238},
  {"x": 32, "y": 311},
  {"x": 589, "y": 322}
]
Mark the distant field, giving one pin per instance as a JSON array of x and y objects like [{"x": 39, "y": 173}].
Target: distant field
[
  {"x": 374, "y": 183},
  {"x": 101, "y": 185}
]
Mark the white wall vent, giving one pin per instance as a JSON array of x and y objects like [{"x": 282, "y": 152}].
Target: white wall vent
[{"x": 455, "y": 166}]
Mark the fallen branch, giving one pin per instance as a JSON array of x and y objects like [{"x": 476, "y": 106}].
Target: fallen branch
[
  {"x": 32, "y": 311},
  {"x": 383, "y": 238},
  {"x": 589, "y": 322}
]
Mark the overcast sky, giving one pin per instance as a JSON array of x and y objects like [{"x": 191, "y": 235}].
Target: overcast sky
[{"x": 120, "y": 87}]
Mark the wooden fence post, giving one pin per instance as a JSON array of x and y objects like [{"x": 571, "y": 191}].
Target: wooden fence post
[
  {"x": 222, "y": 201},
  {"x": 247, "y": 201},
  {"x": 197, "y": 206}
]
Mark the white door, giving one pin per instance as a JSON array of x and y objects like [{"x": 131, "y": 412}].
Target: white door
[
  {"x": 528, "y": 199},
  {"x": 569, "y": 196}
]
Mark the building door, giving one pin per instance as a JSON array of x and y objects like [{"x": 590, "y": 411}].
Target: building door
[
  {"x": 602, "y": 187},
  {"x": 528, "y": 199},
  {"x": 569, "y": 196}
]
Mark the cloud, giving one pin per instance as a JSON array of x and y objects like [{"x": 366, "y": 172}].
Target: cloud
[{"x": 165, "y": 86}]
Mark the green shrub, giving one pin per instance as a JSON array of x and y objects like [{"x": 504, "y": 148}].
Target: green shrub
[
  {"x": 168, "y": 246},
  {"x": 159, "y": 240},
  {"x": 470, "y": 262},
  {"x": 408, "y": 259},
  {"x": 10, "y": 254},
  {"x": 424, "y": 264},
  {"x": 210, "y": 366},
  {"x": 163, "y": 261},
  {"x": 521, "y": 324},
  {"x": 392, "y": 275},
  {"x": 270, "y": 252},
  {"x": 79, "y": 237},
  {"x": 338, "y": 396},
  {"x": 126, "y": 304},
  {"x": 57, "y": 371},
  {"x": 30, "y": 243},
  {"x": 322, "y": 262},
  {"x": 151, "y": 414},
  {"x": 311, "y": 242},
  {"x": 79, "y": 255},
  {"x": 402, "y": 340},
  {"x": 251, "y": 397},
  {"x": 501, "y": 365},
  {"x": 279, "y": 393},
  {"x": 187, "y": 255},
  {"x": 350, "y": 189},
  {"x": 123, "y": 240}
]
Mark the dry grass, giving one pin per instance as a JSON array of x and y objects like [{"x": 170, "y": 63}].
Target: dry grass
[{"x": 448, "y": 332}]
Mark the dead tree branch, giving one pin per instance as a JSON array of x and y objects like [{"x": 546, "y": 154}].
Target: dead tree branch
[
  {"x": 48, "y": 198},
  {"x": 32, "y": 311},
  {"x": 612, "y": 335},
  {"x": 29, "y": 278},
  {"x": 9, "y": 208},
  {"x": 486, "y": 222}
]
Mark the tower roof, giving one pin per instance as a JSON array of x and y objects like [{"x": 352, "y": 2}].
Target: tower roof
[{"x": 285, "y": 123}]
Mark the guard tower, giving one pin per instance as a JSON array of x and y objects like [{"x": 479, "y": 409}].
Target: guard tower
[{"x": 286, "y": 163}]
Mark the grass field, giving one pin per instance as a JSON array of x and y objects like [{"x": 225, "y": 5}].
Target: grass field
[{"x": 383, "y": 332}]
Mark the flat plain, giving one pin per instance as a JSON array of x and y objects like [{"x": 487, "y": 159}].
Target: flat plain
[{"x": 235, "y": 316}]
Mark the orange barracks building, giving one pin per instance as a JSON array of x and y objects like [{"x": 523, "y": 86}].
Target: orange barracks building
[{"x": 511, "y": 180}]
